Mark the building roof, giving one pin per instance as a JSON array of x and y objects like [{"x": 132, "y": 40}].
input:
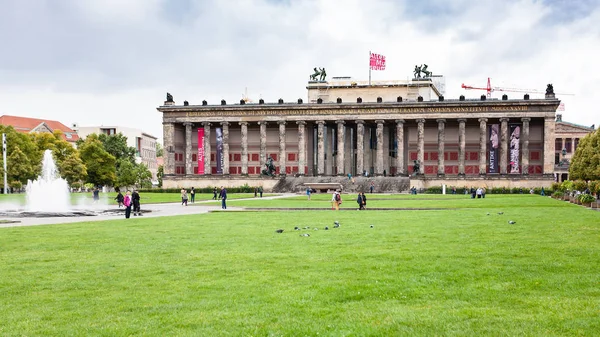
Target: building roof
[{"x": 28, "y": 125}]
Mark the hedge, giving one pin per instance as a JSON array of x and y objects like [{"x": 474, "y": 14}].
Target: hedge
[{"x": 240, "y": 189}]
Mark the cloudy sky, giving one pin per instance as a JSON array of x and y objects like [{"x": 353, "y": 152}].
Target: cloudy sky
[{"x": 111, "y": 62}]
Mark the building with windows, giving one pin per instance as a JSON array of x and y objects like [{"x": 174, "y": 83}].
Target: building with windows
[
  {"x": 567, "y": 137},
  {"x": 144, "y": 143},
  {"x": 29, "y": 125},
  {"x": 386, "y": 130}
]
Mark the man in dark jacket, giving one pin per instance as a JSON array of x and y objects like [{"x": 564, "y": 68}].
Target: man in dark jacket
[
  {"x": 135, "y": 199},
  {"x": 223, "y": 198}
]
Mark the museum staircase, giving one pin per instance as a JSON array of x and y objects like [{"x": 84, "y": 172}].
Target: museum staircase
[{"x": 291, "y": 184}]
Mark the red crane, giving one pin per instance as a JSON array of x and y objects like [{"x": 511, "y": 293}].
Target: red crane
[{"x": 490, "y": 89}]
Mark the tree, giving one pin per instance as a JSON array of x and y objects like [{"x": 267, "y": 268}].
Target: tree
[
  {"x": 100, "y": 164},
  {"x": 159, "y": 149},
  {"x": 20, "y": 168},
  {"x": 73, "y": 170},
  {"x": 585, "y": 163},
  {"x": 143, "y": 176},
  {"x": 125, "y": 173},
  {"x": 159, "y": 175},
  {"x": 117, "y": 146},
  {"x": 24, "y": 165},
  {"x": 70, "y": 166}
]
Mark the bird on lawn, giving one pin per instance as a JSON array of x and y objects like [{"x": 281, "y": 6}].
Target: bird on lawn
[
  {"x": 372, "y": 226},
  {"x": 279, "y": 231},
  {"x": 512, "y": 222},
  {"x": 500, "y": 213},
  {"x": 305, "y": 234},
  {"x": 488, "y": 213},
  {"x": 296, "y": 228}
]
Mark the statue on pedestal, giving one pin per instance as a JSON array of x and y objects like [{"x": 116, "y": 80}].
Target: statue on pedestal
[
  {"x": 550, "y": 89},
  {"x": 416, "y": 167},
  {"x": 169, "y": 98},
  {"x": 318, "y": 75},
  {"x": 269, "y": 168}
]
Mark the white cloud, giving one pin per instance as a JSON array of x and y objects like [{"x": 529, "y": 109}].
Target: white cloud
[{"x": 111, "y": 62}]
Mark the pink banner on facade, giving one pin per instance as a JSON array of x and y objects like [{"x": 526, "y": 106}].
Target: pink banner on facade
[
  {"x": 377, "y": 62},
  {"x": 201, "y": 151}
]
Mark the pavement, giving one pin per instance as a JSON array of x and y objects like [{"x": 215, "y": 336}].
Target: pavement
[{"x": 152, "y": 211}]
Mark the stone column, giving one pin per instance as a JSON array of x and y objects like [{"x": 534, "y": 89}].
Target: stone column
[
  {"x": 421, "y": 145},
  {"x": 461, "y": 146},
  {"x": 281, "y": 148},
  {"x": 244, "y": 134},
  {"x": 483, "y": 145},
  {"x": 188, "y": 148},
  {"x": 360, "y": 147},
  {"x": 503, "y": 145},
  {"x": 301, "y": 148},
  {"x": 320, "y": 148},
  {"x": 169, "y": 148},
  {"x": 400, "y": 165},
  {"x": 206, "y": 140},
  {"x": 225, "y": 147},
  {"x": 379, "y": 159},
  {"x": 340, "y": 147},
  {"x": 525, "y": 147},
  {"x": 549, "y": 146},
  {"x": 263, "y": 144},
  {"x": 441, "y": 146}
]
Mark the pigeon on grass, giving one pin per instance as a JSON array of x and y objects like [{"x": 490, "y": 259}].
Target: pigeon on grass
[{"x": 279, "y": 231}]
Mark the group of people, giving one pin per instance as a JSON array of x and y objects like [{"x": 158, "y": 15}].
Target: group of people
[
  {"x": 479, "y": 193},
  {"x": 223, "y": 196},
  {"x": 336, "y": 200},
  {"x": 259, "y": 190},
  {"x": 129, "y": 200},
  {"x": 184, "y": 196}
]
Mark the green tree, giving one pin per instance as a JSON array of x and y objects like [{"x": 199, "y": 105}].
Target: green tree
[
  {"x": 19, "y": 168},
  {"x": 125, "y": 173},
  {"x": 159, "y": 175},
  {"x": 585, "y": 163},
  {"x": 70, "y": 166},
  {"x": 30, "y": 165},
  {"x": 99, "y": 163},
  {"x": 143, "y": 176},
  {"x": 117, "y": 146},
  {"x": 159, "y": 149},
  {"x": 73, "y": 170}
]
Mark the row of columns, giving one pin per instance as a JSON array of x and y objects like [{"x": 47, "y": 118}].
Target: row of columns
[{"x": 400, "y": 163}]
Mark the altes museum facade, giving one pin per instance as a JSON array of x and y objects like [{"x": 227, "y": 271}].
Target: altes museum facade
[{"x": 384, "y": 131}]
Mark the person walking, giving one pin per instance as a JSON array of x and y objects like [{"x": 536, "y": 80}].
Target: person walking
[
  {"x": 119, "y": 198},
  {"x": 193, "y": 195},
  {"x": 308, "y": 192},
  {"x": 372, "y": 186},
  {"x": 334, "y": 204},
  {"x": 364, "y": 200},
  {"x": 184, "y": 197},
  {"x": 127, "y": 203},
  {"x": 96, "y": 195},
  {"x": 255, "y": 192},
  {"x": 359, "y": 201},
  {"x": 135, "y": 200},
  {"x": 214, "y": 193},
  {"x": 260, "y": 191},
  {"x": 223, "y": 198}
]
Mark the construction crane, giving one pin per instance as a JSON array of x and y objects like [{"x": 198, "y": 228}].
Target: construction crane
[{"x": 490, "y": 89}]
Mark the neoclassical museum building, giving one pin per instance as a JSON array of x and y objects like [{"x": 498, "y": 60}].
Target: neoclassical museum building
[{"x": 382, "y": 131}]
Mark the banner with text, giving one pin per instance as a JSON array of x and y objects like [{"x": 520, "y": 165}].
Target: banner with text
[
  {"x": 493, "y": 150},
  {"x": 201, "y": 151},
  {"x": 219, "y": 133},
  {"x": 515, "y": 148},
  {"x": 377, "y": 62}
]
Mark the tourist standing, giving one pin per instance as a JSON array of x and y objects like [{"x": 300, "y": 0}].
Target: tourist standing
[
  {"x": 260, "y": 191},
  {"x": 119, "y": 198},
  {"x": 127, "y": 203},
  {"x": 215, "y": 193},
  {"x": 184, "y": 197},
  {"x": 255, "y": 192},
  {"x": 96, "y": 195},
  {"x": 308, "y": 192},
  {"x": 193, "y": 195},
  {"x": 135, "y": 200},
  {"x": 372, "y": 186},
  {"x": 364, "y": 200},
  {"x": 223, "y": 198},
  {"x": 359, "y": 201}
]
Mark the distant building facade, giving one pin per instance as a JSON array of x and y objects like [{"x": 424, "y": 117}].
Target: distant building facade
[
  {"x": 29, "y": 125},
  {"x": 144, "y": 143},
  {"x": 567, "y": 138},
  {"x": 381, "y": 130}
]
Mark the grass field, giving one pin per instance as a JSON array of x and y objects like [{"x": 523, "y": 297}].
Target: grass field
[
  {"x": 457, "y": 272},
  {"x": 147, "y": 198}
]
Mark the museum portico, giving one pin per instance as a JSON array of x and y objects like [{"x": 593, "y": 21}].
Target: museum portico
[{"x": 497, "y": 140}]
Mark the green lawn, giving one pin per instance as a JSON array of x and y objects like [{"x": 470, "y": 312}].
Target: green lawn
[
  {"x": 147, "y": 198},
  {"x": 457, "y": 272}
]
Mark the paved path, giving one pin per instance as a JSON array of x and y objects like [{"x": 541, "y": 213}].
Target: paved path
[{"x": 156, "y": 210}]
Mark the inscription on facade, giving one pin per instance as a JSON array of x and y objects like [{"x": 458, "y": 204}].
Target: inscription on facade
[{"x": 294, "y": 112}]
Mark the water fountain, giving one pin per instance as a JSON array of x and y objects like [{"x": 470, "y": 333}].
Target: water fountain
[{"x": 49, "y": 196}]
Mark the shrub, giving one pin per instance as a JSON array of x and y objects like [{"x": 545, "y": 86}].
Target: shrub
[
  {"x": 435, "y": 190},
  {"x": 15, "y": 184},
  {"x": 567, "y": 185},
  {"x": 557, "y": 194},
  {"x": 594, "y": 186},
  {"x": 557, "y": 187},
  {"x": 76, "y": 185},
  {"x": 579, "y": 185},
  {"x": 585, "y": 198}
]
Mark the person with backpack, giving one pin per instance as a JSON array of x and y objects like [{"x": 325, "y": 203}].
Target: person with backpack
[
  {"x": 364, "y": 201},
  {"x": 119, "y": 198},
  {"x": 127, "y": 203},
  {"x": 135, "y": 201},
  {"x": 192, "y": 195}
]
